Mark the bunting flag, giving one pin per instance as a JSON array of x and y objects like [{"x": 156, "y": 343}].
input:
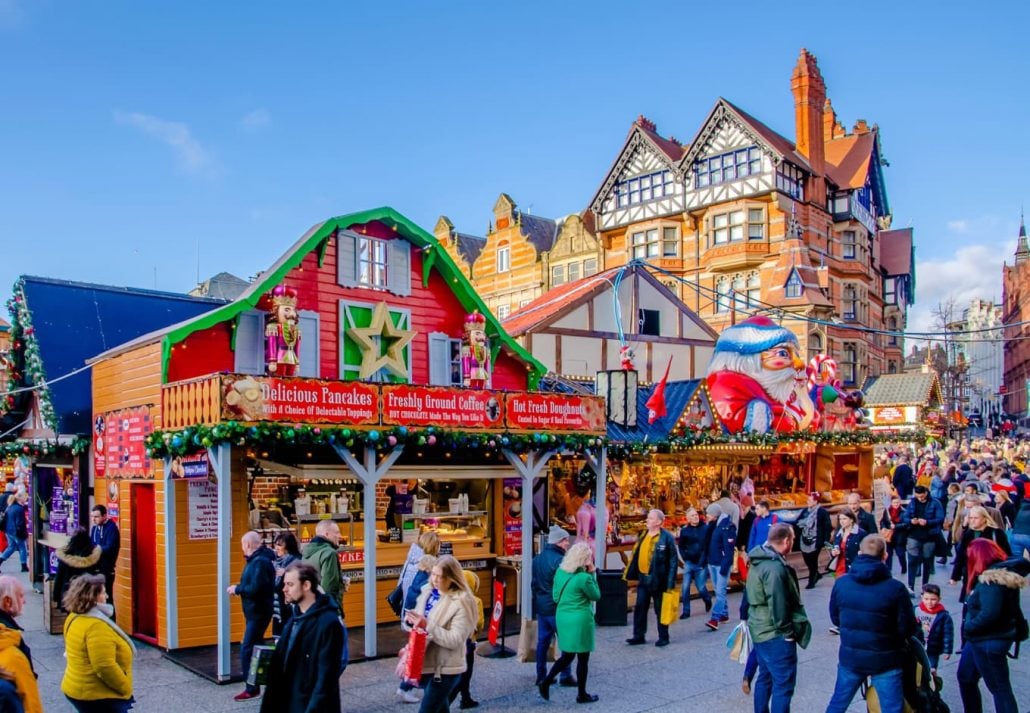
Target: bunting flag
[{"x": 656, "y": 404}]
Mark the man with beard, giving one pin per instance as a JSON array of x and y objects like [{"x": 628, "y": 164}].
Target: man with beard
[
  {"x": 304, "y": 675},
  {"x": 757, "y": 381}
]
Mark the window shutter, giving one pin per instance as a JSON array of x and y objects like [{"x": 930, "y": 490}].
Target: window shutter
[
  {"x": 309, "y": 344},
  {"x": 347, "y": 258},
  {"x": 398, "y": 272},
  {"x": 439, "y": 359},
  {"x": 250, "y": 342}
]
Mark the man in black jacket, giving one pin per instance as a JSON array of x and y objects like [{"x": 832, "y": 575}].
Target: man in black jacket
[
  {"x": 904, "y": 479},
  {"x": 304, "y": 676},
  {"x": 256, "y": 589},
  {"x": 924, "y": 517},
  {"x": 545, "y": 565},
  {"x": 863, "y": 517},
  {"x": 653, "y": 567},
  {"x": 876, "y": 620}
]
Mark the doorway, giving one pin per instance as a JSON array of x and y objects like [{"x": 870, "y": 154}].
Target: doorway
[{"x": 144, "y": 562}]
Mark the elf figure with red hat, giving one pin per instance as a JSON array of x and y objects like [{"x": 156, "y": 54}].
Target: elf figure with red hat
[{"x": 757, "y": 380}]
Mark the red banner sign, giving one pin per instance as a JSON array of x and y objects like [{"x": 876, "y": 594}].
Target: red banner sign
[
  {"x": 263, "y": 398},
  {"x": 554, "y": 412},
  {"x": 125, "y": 451},
  {"x": 439, "y": 406}
]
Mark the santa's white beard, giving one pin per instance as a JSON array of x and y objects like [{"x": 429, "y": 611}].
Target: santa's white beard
[{"x": 778, "y": 384}]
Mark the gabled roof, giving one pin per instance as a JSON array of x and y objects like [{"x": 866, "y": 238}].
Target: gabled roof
[
  {"x": 558, "y": 301},
  {"x": 223, "y": 286},
  {"x": 781, "y": 146},
  {"x": 912, "y": 389},
  {"x": 72, "y": 321},
  {"x": 794, "y": 257},
  {"x": 540, "y": 232},
  {"x": 643, "y": 131},
  {"x": 5, "y": 326},
  {"x": 435, "y": 257},
  {"x": 469, "y": 246}
]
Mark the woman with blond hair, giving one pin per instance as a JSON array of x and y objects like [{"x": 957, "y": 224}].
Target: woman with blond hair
[
  {"x": 575, "y": 590},
  {"x": 979, "y": 524},
  {"x": 98, "y": 674},
  {"x": 446, "y": 610},
  {"x": 420, "y": 582},
  {"x": 428, "y": 543}
]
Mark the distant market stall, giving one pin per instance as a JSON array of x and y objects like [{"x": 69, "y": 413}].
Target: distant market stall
[{"x": 906, "y": 401}]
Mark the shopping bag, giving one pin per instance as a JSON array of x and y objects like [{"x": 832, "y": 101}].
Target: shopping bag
[
  {"x": 526, "y": 652},
  {"x": 670, "y": 607},
  {"x": 260, "y": 661},
  {"x": 741, "y": 566},
  {"x": 416, "y": 655},
  {"x": 739, "y": 643},
  {"x": 396, "y": 599}
]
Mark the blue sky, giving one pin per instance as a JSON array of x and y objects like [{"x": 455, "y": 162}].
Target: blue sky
[{"x": 133, "y": 132}]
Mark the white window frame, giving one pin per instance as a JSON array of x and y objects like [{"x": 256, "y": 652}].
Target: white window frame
[
  {"x": 373, "y": 263},
  {"x": 849, "y": 245},
  {"x": 557, "y": 275},
  {"x": 754, "y": 289},
  {"x": 794, "y": 287},
  {"x": 503, "y": 311},
  {"x": 646, "y": 244},
  {"x": 727, "y": 227},
  {"x": 590, "y": 266},
  {"x": 504, "y": 258},
  {"x": 755, "y": 224},
  {"x": 573, "y": 271},
  {"x": 722, "y": 295},
  {"x": 670, "y": 241}
]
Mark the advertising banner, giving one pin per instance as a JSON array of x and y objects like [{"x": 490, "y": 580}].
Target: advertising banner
[
  {"x": 266, "y": 398},
  {"x": 554, "y": 412},
  {"x": 99, "y": 445},
  {"x": 496, "y": 613},
  {"x": 193, "y": 466},
  {"x": 440, "y": 406},
  {"x": 125, "y": 443},
  {"x": 512, "y": 545}
]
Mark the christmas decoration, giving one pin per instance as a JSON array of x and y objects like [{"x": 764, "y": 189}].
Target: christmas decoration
[
  {"x": 370, "y": 341},
  {"x": 656, "y": 403},
  {"x": 475, "y": 354},
  {"x": 161, "y": 444},
  {"x": 282, "y": 334},
  {"x": 626, "y": 357},
  {"x": 39, "y": 449},
  {"x": 25, "y": 365},
  {"x": 756, "y": 380}
]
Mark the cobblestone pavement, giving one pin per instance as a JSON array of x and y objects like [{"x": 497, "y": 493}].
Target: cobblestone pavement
[{"x": 693, "y": 673}]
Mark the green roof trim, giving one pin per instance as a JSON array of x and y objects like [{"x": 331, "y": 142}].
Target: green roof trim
[{"x": 404, "y": 227}]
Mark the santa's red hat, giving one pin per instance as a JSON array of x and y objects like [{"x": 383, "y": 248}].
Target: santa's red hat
[{"x": 754, "y": 336}]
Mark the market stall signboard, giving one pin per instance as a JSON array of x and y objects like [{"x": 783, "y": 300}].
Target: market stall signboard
[
  {"x": 125, "y": 450},
  {"x": 203, "y": 510},
  {"x": 447, "y": 408},
  {"x": 554, "y": 412},
  {"x": 261, "y": 398},
  {"x": 891, "y": 415}
]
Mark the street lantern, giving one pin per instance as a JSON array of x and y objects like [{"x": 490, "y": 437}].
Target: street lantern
[{"x": 619, "y": 388}]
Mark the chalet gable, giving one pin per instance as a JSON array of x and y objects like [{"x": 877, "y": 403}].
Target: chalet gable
[{"x": 643, "y": 182}]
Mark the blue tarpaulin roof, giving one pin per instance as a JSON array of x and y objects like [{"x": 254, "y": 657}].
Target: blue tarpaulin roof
[
  {"x": 75, "y": 321},
  {"x": 677, "y": 395}
]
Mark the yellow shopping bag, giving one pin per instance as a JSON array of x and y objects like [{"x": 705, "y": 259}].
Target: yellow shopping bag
[{"x": 670, "y": 607}]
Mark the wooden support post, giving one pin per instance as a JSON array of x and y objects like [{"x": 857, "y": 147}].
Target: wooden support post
[
  {"x": 599, "y": 465},
  {"x": 529, "y": 470},
  {"x": 221, "y": 462},
  {"x": 171, "y": 549}
]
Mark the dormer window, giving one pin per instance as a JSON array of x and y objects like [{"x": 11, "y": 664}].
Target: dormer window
[
  {"x": 790, "y": 180},
  {"x": 372, "y": 262},
  {"x": 794, "y": 287},
  {"x": 729, "y": 166}
]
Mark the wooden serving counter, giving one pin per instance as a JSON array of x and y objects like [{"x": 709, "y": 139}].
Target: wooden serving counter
[{"x": 474, "y": 554}]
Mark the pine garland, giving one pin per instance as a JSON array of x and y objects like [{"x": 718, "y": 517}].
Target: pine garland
[
  {"x": 24, "y": 362},
  {"x": 40, "y": 449}
]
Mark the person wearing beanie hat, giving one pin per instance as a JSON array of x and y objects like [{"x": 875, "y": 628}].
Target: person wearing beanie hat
[
  {"x": 756, "y": 379},
  {"x": 545, "y": 565}
]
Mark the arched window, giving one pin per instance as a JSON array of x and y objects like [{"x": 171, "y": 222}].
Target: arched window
[
  {"x": 722, "y": 292},
  {"x": 815, "y": 345},
  {"x": 739, "y": 292},
  {"x": 754, "y": 290}
]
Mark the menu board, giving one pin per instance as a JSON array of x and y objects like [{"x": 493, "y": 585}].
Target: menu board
[
  {"x": 203, "y": 510},
  {"x": 445, "y": 407},
  {"x": 124, "y": 441}
]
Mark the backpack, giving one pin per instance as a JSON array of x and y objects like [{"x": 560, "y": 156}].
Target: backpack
[{"x": 922, "y": 689}]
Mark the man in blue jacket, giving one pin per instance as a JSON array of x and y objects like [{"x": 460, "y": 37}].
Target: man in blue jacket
[
  {"x": 719, "y": 554},
  {"x": 875, "y": 618},
  {"x": 924, "y": 517},
  {"x": 256, "y": 589},
  {"x": 545, "y": 565},
  {"x": 104, "y": 534},
  {"x": 760, "y": 527}
]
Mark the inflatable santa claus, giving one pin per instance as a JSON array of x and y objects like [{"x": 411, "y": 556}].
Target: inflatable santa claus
[{"x": 757, "y": 381}]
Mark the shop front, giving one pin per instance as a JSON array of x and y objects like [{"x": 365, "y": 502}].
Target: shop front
[{"x": 360, "y": 379}]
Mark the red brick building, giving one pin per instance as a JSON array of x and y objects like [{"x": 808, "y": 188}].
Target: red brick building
[{"x": 1015, "y": 314}]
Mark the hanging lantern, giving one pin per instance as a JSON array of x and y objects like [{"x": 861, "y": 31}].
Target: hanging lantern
[{"x": 619, "y": 388}]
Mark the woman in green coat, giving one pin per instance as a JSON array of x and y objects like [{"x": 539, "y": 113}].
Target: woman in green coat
[{"x": 575, "y": 590}]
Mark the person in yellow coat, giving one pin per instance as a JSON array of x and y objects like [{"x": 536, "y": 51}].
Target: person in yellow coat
[
  {"x": 98, "y": 675},
  {"x": 15, "y": 656}
]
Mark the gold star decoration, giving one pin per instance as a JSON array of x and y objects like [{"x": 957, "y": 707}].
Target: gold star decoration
[{"x": 372, "y": 357}]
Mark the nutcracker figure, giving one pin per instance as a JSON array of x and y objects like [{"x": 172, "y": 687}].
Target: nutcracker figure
[
  {"x": 475, "y": 352},
  {"x": 282, "y": 334}
]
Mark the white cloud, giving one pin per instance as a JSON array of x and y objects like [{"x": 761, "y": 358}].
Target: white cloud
[
  {"x": 256, "y": 120},
  {"x": 958, "y": 226},
  {"x": 190, "y": 155},
  {"x": 974, "y": 271}
]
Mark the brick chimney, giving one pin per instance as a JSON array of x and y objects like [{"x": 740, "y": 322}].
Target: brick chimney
[
  {"x": 832, "y": 128},
  {"x": 809, "y": 101}
]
